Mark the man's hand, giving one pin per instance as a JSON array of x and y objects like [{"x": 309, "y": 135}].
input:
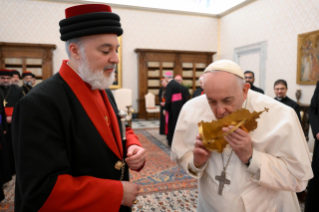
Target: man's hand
[
  {"x": 317, "y": 136},
  {"x": 240, "y": 142},
  {"x": 201, "y": 154},
  {"x": 130, "y": 192},
  {"x": 164, "y": 112},
  {"x": 135, "y": 157}
]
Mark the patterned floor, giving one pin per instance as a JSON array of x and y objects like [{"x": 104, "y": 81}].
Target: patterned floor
[
  {"x": 164, "y": 186},
  {"x": 141, "y": 124}
]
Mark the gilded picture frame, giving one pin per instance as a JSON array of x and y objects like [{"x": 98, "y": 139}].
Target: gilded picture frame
[
  {"x": 308, "y": 58},
  {"x": 118, "y": 71}
]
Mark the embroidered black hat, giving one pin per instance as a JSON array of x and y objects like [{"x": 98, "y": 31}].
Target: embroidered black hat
[
  {"x": 16, "y": 72},
  {"x": 26, "y": 73},
  {"x": 5, "y": 72},
  {"x": 89, "y": 19}
]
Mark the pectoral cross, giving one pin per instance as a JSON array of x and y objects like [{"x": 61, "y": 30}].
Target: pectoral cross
[
  {"x": 222, "y": 181},
  {"x": 4, "y": 103}
]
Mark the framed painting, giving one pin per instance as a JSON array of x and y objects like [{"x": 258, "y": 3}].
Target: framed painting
[
  {"x": 308, "y": 58},
  {"x": 118, "y": 71}
]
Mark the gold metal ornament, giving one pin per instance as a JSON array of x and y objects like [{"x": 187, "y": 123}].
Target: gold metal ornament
[
  {"x": 119, "y": 164},
  {"x": 211, "y": 132}
]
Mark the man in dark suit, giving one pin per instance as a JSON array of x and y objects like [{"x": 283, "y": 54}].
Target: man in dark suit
[
  {"x": 250, "y": 78},
  {"x": 280, "y": 88},
  {"x": 313, "y": 185}
]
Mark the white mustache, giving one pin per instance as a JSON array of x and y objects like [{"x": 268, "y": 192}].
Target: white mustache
[{"x": 110, "y": 67}]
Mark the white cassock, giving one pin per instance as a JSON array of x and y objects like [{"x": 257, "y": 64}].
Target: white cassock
[{"x": 280, "y": 164}]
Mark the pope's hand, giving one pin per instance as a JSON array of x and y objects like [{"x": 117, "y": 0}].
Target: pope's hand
[
  {"x": 240, "y": 142},
  {"x": 135, "y": 157},
  {"x": 317, "y": 136},
  {"x": 130, "y": 192},
  {"x": 201, "y": 154}
]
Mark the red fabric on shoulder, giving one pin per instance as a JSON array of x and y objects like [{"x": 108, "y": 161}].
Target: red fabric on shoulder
[
  {"x": 83, "y": 194},
  {"x": 8, "y": 111}
]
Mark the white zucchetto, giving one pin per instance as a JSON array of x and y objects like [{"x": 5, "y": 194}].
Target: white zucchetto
[{"x": 227, "y": 66}]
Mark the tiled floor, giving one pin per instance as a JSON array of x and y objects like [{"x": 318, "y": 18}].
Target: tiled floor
[{"x": 142, "y": 123}]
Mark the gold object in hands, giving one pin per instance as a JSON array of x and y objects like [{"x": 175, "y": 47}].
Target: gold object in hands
[
  {"x": 135, "y": 201},
  {"x": 212, "y": 134}
]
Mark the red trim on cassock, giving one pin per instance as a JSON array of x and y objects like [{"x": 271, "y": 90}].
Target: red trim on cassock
[
  {"x": 131, "y": 138},
  {"x": 83, "y": 194},
  {"x": 202, "y": 92},
  {"x": 8, "y": 111},
  {"x": 89, "y": 104},
  {"x": 86, "y": 8}
]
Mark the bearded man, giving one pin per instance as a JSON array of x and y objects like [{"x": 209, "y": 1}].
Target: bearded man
[
  {"x": 15, "y": 77},
  {"x": 27, "y": 82},
  {"x": 70, "y": 151},
  {"x": 257, "y": 171},
  {"x": 9, "y": 96}
]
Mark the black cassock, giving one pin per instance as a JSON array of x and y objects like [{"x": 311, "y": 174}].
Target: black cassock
[
  {"x": 198, "y": 92},
  {"x": 186, "y": 93},
  {"x": 174, "y": 100},
  {"x": 162, "y": 117},
  {"x": 12, "y": 95},
  {"x": 65, "y": 151},
  {"x": 26, "y": 89},
  {"x": 291, "y": 103},
  {"x": 5, "y": 171},
  {"x": 254, "y": 88},
  {"x": 313, "y": 184}
]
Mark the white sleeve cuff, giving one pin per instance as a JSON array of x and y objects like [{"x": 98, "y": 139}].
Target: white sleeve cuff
[
  {"x": 255, "y": 162},
  {"x": 254, "y": 167},
  {"x": 194, "y": 171}
]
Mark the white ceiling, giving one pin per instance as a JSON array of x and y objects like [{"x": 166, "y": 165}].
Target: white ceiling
[{"x": 215, "y": 8}]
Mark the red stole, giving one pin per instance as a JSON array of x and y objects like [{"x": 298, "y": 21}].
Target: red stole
[{"x": 93, "y": 110}]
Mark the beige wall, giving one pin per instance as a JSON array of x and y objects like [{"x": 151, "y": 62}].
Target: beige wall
[
  {"x": 278, "y": 22},
  {"x": 30, "y": 21}
]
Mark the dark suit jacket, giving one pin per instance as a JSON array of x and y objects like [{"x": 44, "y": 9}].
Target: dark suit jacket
[
  {"x": 313, "y": 185},
  {"x": 55, "y": 142}
]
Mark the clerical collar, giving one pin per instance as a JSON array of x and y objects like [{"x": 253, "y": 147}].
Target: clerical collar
[{"x": 280, "y": 99}]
